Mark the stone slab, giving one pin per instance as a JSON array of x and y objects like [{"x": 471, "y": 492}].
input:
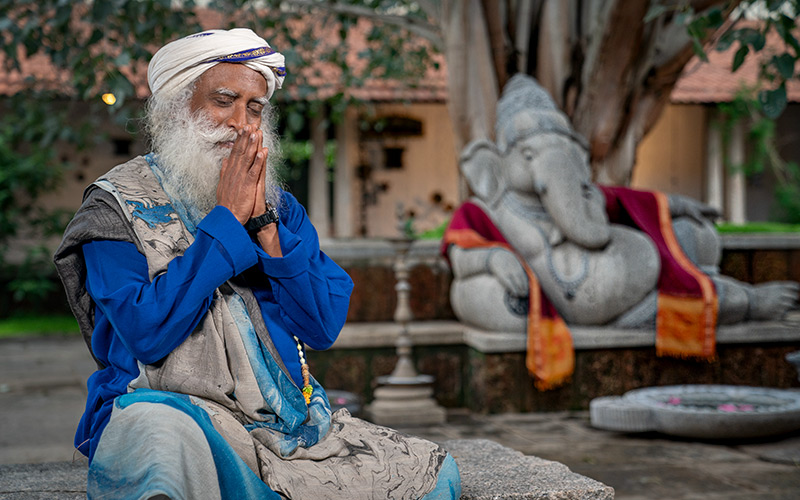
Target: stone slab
[
  {"x": 760, "y": 241},
  {"x": 365, "y": 248},
  {"x": 490, "y": 471},
  {"x": 588, "y": 338},
  {"x": 444, "y": 332},
  {"x": 345, "y": 251},
  {"x": 385, "y": 334}
]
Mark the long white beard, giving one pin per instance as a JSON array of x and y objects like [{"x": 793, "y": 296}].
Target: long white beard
[{"x": 190, "y": 157}]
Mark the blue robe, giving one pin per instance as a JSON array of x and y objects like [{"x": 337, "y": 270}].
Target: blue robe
[{"x": 303, "y": 292}]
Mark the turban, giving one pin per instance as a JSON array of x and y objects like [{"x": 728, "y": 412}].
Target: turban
[{"x": 179, "y": 63}]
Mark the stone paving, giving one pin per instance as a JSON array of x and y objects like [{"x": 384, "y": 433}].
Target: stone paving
[{"x": 42, "y": 393}]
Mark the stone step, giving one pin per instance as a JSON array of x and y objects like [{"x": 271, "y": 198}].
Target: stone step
[
  {"x": 488, "y": 471},
  {"x": 491, "y": 471}
]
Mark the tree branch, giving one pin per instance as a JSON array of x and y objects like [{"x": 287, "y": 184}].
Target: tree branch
[{"x": 426, "y": 30}]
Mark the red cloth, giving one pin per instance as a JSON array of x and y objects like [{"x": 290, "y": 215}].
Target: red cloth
[
  {"x": 550, "y": 356},
  {"x": 687, "y": 300}
]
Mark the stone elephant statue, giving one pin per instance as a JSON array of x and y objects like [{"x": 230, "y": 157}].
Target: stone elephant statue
[{"x": 534, "y": 183}]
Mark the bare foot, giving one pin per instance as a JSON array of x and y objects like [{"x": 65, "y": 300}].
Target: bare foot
[{"x": 770, "y": 301}]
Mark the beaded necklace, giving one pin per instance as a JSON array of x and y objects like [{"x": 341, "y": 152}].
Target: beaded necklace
[{"x": 307, "y": 389}]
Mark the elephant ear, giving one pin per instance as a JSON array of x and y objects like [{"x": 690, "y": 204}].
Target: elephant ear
[{"x": 480, "y": 165}]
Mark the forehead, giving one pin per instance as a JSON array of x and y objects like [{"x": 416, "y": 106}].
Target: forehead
[{"x": 237, "y": 77}]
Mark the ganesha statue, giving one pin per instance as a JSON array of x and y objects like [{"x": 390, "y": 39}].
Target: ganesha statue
[{"x": 600, "y": 256}]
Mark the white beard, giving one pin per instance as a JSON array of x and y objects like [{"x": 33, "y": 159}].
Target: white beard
[{"x": 190, "y": 156}]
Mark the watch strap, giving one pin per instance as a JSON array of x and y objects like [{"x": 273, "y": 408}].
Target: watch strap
[{"x": 268, "y": 217}]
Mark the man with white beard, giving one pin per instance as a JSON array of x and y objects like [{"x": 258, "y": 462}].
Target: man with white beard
[{"x": 197, "y": 283}]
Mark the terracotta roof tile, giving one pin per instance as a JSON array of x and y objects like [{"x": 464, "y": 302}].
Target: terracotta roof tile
[{"x": 713, "y": 81}]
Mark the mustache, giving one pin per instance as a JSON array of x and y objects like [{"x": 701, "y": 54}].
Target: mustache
[{"x": 216, "y": 135}]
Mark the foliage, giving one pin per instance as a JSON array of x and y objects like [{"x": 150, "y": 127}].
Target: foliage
[
  {"x": 775, "y": 18},
  {"x": 759, "y": 106},
  {"x": 758, "y": 227},
  {"x": 436, "y": 233},
  {"x": 296, "y": 155},
  {"x": 98, "y": 47},
  {"x": 38, "y": 325},
  {"x": 30, "y": 168}
]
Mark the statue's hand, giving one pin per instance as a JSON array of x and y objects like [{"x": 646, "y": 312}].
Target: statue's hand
[
  {"x": 506, "y": 267},
  {"x": 680, "y": 205}
]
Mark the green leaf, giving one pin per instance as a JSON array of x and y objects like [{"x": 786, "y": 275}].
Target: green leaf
[
  {"x": 697, "y": 47},
  {"x": 123, "y": 59},
  {"x": 101, "y": 10},
  {"x": 725, "y": 41},
  {"x": 738, "y": 58},
  {"x": 752, "y": 37},
  {"x": 785, "y": 65},
  {"x": 773, "y": 102},
  {"x": 715, "y": 17}
]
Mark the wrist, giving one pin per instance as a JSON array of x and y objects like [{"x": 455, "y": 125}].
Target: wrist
[
  {"x": 255, "y": 224},
  {"x": 269, "y": 240}
]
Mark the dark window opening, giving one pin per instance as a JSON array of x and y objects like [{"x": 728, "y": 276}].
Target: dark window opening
[
  {"x": 392, "y": 126},
  {"x": 394, "y": 157}
]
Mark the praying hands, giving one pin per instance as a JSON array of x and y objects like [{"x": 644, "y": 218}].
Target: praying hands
[
  {"x": 242, "y": 187},
  {"x": 241, "y": 181}
]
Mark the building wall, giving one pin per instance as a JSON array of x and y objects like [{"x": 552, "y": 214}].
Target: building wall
[
  {"x": 87, "y": 166},
  {"x": 115, "y": 146},
  {"x": 672, "y": 157},
  {"x": 429, "y": 170}
]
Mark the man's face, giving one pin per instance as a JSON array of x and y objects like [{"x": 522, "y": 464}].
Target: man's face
[{"x": 230, "y": 95}]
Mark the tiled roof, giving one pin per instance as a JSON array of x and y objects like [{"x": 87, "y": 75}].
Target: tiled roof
[{"x": 712, "y": 81}]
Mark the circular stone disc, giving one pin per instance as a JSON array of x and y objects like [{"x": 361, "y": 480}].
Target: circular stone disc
[{"x": 717, "y": 411}]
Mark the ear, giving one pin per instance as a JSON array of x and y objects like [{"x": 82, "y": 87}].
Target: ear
[{"x": 479, "y": 163}]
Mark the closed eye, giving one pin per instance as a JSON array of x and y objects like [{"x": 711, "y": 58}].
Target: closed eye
[
  {"x": 256, "y": 108},
  {"x": 223, "y": 100}
]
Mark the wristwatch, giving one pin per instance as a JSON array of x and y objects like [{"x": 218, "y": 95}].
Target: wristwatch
[{"x": 268, "y": 217}]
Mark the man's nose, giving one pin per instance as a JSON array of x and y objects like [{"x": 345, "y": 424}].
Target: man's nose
[{"x": 238, "y": 117}]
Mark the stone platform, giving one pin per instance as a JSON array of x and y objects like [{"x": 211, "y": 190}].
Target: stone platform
[
  {"x": 485, "y": 371},
  {"x": 488, "y": 471}
]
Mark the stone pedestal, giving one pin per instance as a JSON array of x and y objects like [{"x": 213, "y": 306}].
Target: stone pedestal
[
  {"x": 404, "y": 397},
  {"x": 405, "y": 402}
]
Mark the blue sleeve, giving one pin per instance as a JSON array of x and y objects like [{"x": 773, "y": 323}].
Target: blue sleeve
[
  {"x": 311, "y": 291},
  {"x": 152, "y": 318}
]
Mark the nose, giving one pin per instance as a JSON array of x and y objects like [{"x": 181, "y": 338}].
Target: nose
[{"x": 238, "y": 117}]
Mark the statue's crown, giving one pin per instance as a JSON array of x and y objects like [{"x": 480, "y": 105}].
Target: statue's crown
[{"x": 524, "y": 109}]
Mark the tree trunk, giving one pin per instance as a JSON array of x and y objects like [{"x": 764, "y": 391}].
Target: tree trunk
[{"x": 607, "y": 69}]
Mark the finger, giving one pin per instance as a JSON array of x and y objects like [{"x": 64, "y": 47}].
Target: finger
[
  {"x": 260, "y": 205},
  {"x": 240, "y": 144},
  {"x": 241, "y": 157},
  {"x": 254, "y": 147}
]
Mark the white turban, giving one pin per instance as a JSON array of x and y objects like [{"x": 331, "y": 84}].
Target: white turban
[{"x": 179, "y": 63}]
